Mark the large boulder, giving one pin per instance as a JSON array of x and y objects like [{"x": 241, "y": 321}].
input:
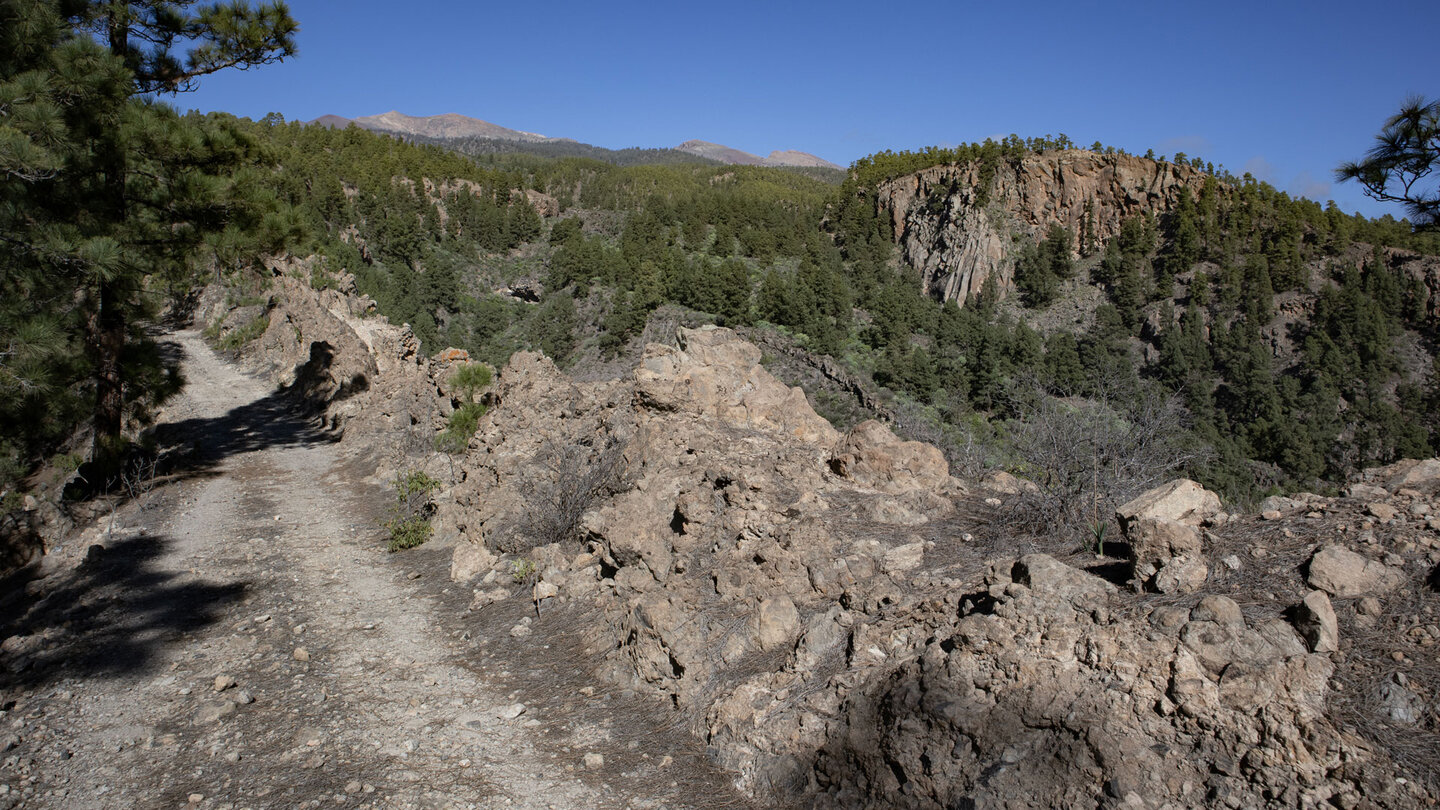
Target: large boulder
[
  {"x": 1181, "y": 501},
  {"x": 873, "y": 456},
  {"x": 1341, "y": 572},
  {"x": 1166, "y": 556}
]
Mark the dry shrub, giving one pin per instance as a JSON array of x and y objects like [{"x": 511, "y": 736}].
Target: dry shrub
[
  {"x": 1088, "y": 456},
  {"x": 567, "y": 481}
]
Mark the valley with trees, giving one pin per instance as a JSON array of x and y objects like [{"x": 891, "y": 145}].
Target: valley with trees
[{"x": 818, "y": 466}]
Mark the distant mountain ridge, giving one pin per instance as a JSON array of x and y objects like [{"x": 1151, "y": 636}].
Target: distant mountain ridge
[
  {"x": 453, "y": 126},
  {"x": 728, "y": 154}
]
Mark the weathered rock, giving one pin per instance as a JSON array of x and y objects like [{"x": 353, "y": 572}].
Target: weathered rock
[
  {"x": 1341, "y": 572},
  {"x": 1381, "y": 511},
  {"x": 1046, "y": 575},
  {"x": 1315, "y": 619},
  {"x": 1366, "y": 492},
  {"x": 1006, "y": 484},
  {"x": 1181, "y": 501},
  {"x": 1166, "y": 556},
  {"x": 904, "y": 558},
  {"x": 1421, "y": 476},
  {"x": 777, "y": 623},
  {"x": 1280, "y": 504},
  {"x": 470, "y": 560},
  {"x": 715, "y": 374},
  {"x": 1401, "y": 704},
  {"x": 872, "y": 456}
]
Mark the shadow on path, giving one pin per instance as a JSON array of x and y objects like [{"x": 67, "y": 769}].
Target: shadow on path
[{"x": 109, "y": 617}]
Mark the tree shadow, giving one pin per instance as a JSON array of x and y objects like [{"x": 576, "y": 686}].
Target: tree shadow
[{"x": 110, "y": 616}]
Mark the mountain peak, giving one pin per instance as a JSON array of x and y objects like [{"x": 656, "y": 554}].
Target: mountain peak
[{"x": 731, "y": 155}]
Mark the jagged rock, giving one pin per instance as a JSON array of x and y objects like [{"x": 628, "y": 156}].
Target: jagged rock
[
  {"x": 1179, "y": 720},
  {"x": 1181, "y": 501},
  {"x": 1315, "y": 619},
  {"x": 715, "y": 374},
  {"x": 1341, "y": 572},
  {"x": 872, "y": 456},
  {"x": 1166, "y": 556}
]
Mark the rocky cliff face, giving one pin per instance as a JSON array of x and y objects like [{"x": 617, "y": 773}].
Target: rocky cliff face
[{"x": 957, "y": 234}]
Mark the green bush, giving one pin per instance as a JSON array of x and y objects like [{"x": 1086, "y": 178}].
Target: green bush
[
  {"x": 460, "y": 427},
  {"x": 409, "y": 523},
  {"x": 470, "y": 379},
  {"x": 245, "y": 334}
]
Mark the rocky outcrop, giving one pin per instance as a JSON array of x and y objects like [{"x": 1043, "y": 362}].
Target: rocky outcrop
[
  {"x": 814, "y": 606},
  {"x": 1044, "y": 693},
  {"x": 329, "y": 349},
  {"x": 958, "y": 235}
]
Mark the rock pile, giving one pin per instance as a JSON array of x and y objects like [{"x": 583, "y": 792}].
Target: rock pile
[{"x": 810, "y": 603}]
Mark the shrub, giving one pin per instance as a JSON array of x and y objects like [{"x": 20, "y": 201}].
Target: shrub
[
  {"x": 460, "y": 427},
  {"x": 409, "y": 523},
  {"x": 567, "y": 481},
  {"x": 1088, "y": 456},
  {"x": 250, "y": 331}
]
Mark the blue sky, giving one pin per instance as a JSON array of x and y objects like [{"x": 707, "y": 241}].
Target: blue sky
[{"x": 1285, "y": 90}]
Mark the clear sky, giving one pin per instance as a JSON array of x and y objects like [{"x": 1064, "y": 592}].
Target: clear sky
[{"x": 1284, "y": 90}]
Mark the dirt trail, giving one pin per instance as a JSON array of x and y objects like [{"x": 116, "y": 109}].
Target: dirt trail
[{"x": 259, "y": 564}]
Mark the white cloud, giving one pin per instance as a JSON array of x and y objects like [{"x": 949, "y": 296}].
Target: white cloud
[
  {"x": 1305, "y": 185},
  {"x": 1259, "y": 168}
]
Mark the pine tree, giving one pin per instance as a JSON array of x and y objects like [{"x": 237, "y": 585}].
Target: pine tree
[{"x": 118, "y": 191}]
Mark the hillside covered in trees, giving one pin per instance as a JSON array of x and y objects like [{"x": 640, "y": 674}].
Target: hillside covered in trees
[
  {"x": 1299, "y": 340},
  {"x": 1278, "y": 342}
]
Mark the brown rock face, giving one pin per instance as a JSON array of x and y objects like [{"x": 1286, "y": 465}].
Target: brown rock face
[
  {"x": 957, "y": 235},
  {"x": 873, "y": 456}
]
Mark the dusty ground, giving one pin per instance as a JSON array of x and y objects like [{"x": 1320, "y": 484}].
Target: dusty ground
[{"x": 359, "y": 677}]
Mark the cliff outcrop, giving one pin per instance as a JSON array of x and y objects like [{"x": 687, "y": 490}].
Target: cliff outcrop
[{"x": 956, "y": 224}]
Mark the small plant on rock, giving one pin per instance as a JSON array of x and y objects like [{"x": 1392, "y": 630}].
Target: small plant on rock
[
  {"x": 522, "y": 571},
  {"x": 468, "y": 381},
  {"x": 409, "y": 523}
]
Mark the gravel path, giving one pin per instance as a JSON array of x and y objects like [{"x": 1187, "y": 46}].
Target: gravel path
[{"x": 242, "y": 639}]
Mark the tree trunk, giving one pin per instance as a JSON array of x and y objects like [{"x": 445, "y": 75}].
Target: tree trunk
[{"x": 107, "y": 344}]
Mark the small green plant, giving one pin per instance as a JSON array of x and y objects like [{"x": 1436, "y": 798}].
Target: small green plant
[
  {"x": 1098, "y": 530},
  {"x": 522, "y": 571},
  {"x": 470, "y": 379},
  {"x": 459, "y": 428},
  {"x": 409, "y": 523},
  {"x": 250, "y": 331}
]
